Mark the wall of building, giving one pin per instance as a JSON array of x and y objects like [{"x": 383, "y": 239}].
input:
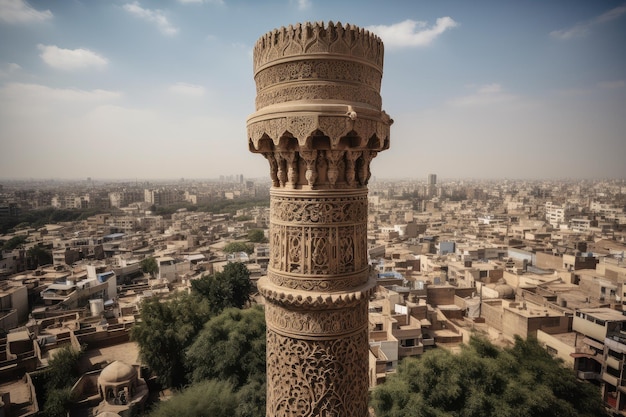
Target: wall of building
[
  {"x": 491, "y": 311},
  {"x": 548, "y": 261},
  {"x": 440, "y": 295},
  {"x": 557, "y": 347}
]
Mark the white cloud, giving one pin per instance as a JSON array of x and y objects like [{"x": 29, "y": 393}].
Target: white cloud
[
  {"x": 19, "y": 11},
  {"x": 71, "y": 59},
  {"x": 582, "y": 29},
  {"x": 485, "y": 95},
  {"x": 411, "y": 33},
  {"x": 189, "y": 90},
  {"x": 303, "y": 4},
  {"x": 216, "y": 2},
  {"x": 155, "y": 16},
  {"x": 9, "y": 69},
  {"x": 37, "y": 93}
]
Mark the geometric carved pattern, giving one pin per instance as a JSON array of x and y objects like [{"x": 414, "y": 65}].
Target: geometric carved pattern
[
  {"x": 320, "y": 250},
  {"x": 317, "y": 378},
  {"x": 318, "y": 236}
]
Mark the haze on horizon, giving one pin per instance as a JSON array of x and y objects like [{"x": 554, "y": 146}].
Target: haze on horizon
[{"x": 162, "y": 89}]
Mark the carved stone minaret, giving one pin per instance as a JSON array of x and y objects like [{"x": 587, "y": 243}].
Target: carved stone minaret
[{"x": 319, "y": 123}]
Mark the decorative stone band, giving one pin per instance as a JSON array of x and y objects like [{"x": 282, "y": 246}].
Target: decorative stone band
[
  {"x": 317, "y": 377},
  {"x": 304, "y": 39},
  {"x": 318, "y": 236},
  {"x": 285, "y": 93},
  {"x": 317, "y": 324},
  {"x": 319, "y": 208},
  {"x": 320, "y": 250},
  {"x": 320, "y": 79},
  {"x": 301, "y": 129},
  {"x": 315, "y": 300},
  {"x": 322, "y": 283}
]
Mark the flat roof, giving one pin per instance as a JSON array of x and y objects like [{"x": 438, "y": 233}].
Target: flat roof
[{"x": 604, "y": 313}]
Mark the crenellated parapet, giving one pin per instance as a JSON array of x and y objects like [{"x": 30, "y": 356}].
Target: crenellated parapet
[{"x": 304, "y": 39}]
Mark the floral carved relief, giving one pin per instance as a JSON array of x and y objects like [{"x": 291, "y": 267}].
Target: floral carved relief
[
  {"x": 316, "y": 323},
  {"x": 317, "y": 378}
]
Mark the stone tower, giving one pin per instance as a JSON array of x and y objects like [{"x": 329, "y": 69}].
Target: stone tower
[{"x": 319, "y": 123}]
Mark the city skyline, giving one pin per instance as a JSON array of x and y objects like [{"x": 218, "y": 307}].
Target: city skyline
[{"x": 138, "y": 89}]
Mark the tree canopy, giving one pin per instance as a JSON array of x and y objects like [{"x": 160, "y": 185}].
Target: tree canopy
[
  {"x": 207, "y": 398},
  {"x": 55, "y": 382},
  {"x": 256, "y": 236},
  {"x": 230, "y": 347},
  {"x": 39, "y": 256},
  {"x": 229, "y": 288},
  {"x": 14, "y": 242},
  {"x": 233, "y": 247},
  {"x": 150, "y": 266},
  {"x": 485, "y": 381},
  {"x": 165, "y": 330}
]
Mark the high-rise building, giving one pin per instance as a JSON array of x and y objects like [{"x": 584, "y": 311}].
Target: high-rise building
[
  {"x": 319, "y": 123},
  {"x": 432, "y": 179}
]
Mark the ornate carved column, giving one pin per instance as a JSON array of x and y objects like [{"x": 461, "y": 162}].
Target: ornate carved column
[{"x": 319, "y": 123}]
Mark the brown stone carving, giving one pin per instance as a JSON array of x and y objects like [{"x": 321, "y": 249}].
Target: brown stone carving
[{"x": 319, "y": 123}]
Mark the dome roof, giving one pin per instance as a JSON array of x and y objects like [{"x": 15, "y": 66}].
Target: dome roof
[{"x": 116, "y": 372}]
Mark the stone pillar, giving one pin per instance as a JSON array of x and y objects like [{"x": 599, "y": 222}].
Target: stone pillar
[{"x": 319, "y": 123}]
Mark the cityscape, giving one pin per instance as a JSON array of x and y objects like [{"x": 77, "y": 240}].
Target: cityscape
[
  {"x": 542, "y": 259},
  {"x": 224, "y": 208}
]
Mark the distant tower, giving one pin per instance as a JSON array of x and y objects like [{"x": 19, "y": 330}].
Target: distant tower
[
  {"x": 432, "y": 185},
  {"x": 319, "y": 123}
]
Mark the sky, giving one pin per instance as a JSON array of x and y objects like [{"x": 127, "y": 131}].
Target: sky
[{"x": 161, "y": 89}]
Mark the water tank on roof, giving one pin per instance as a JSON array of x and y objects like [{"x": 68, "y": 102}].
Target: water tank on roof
[{"x": 96, "y": 307}]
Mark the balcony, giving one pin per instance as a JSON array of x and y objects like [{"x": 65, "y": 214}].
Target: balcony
[
  {"x": 614, "y": 363},
  {"x": 428, "y": 340},
  {"x": 407, "y": 332},
  {"x": 610, "y": 379},
  {"x": 410, "y": 351}
]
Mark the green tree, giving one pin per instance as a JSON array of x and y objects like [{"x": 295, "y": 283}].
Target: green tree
[
  {"x": 61, "y": 374},
  {"x": 229, "y": 288},
  {"x": 256, "y": 236},
  {"x": 150, "y": 266},
  {"x": 58, "y": 402},
  {"x": 484, "y": 381},
  {"x": 233, "y": 247},
  {"x": 230, "y": 347},
  {"x": 62, "y": 369},
  {"x": 207, "y": 398},
  {"x": 39, "y": 255},
  {"x": 14, "y": 242},
  {"x": 164, "y": 330}
]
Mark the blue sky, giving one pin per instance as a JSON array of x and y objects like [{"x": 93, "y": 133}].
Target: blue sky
[{"x": 161, "y": 89}]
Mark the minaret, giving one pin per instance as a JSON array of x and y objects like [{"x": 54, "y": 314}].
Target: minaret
[{"x": 319, "y": 123}]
